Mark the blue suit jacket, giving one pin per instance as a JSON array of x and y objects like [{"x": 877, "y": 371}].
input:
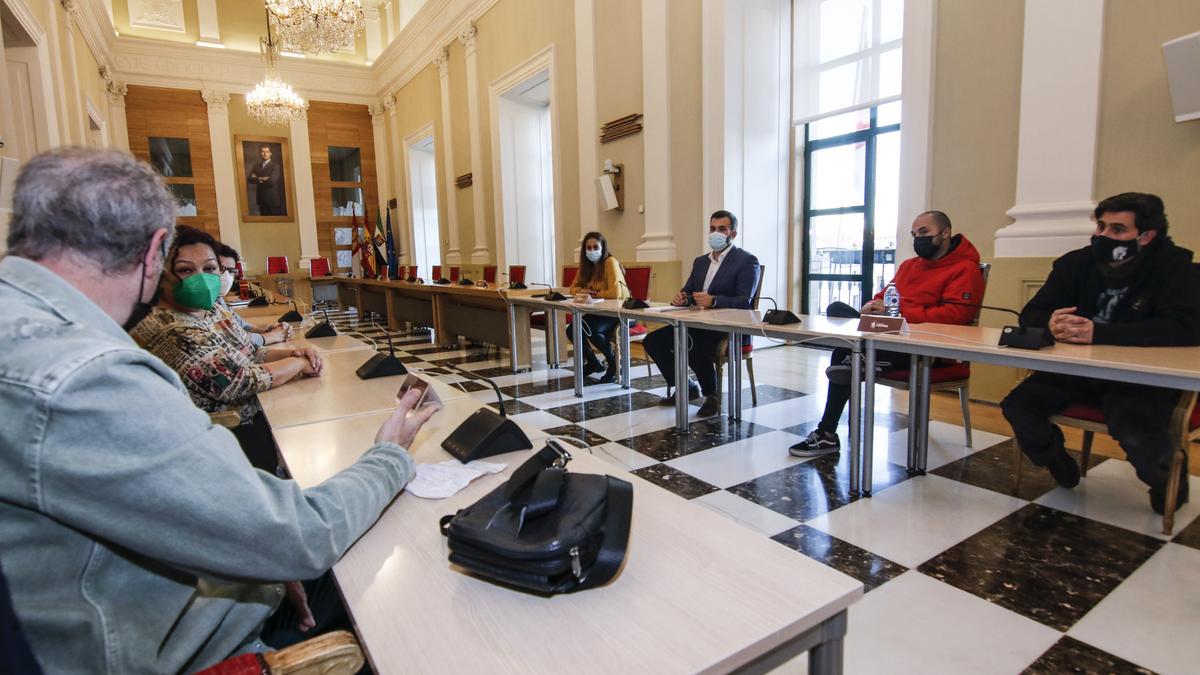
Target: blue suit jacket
[{"x": 733, "y": 287}]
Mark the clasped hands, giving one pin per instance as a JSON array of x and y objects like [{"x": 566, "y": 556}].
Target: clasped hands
[
  {"x": 702, "y": 299},
  {"x": 1065, "y": 326},
  {"x": 313, "y": 365}
]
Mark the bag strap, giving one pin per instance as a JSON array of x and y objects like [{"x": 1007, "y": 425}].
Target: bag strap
[
  {"x": 617, "y": 517},
  {"x": 543, "y": 459}
]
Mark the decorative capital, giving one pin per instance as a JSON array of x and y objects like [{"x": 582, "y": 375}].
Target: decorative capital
[
  {"x": 467, "y": 37},
  {"x": 442, "y": 59},
  {"x": 116, "y": 90},
  {"x": 218, "y": 101},
  {"x": 301, "y": 115},
  {"x": 72, "y": 11},
  {"x": 389, "y": 104}
]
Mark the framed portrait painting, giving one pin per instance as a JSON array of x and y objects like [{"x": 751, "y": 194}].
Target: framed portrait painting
[{"x": 264, "y": 172}]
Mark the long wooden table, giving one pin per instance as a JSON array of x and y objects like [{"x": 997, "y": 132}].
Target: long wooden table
[{"x": 698, "y": 593}]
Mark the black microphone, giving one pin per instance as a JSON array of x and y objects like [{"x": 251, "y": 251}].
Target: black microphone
[
  {"x": 381, "y": 365},
  {"x": 632, "y": 302},
  {"x": 485, "y": 432},
  {"x": 515, "y": 285},
  {"x": 776, "y": 316},
  {"x": 323, "y": 329},
  {"x": 293, "y": 316},
  {"x": 259, "y": 299},
  {"x": 553, "y": 295},
  {"x": 1020, "y": 337}
]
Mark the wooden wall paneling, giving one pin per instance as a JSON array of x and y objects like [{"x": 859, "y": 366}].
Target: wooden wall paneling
[{"x": 341, "y": 125}]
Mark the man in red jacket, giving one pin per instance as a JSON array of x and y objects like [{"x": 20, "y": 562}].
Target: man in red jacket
[{"x": 946, "y": 269}]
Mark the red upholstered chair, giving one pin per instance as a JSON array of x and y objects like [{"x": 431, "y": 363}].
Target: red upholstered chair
[
  {"x": 1184, "y": 428},
  {"x": 516, "y": 274},
  {"x": 945, "y": 375},
  {"x": 489, "y": 273},
  {"x": 455, "y": 273},
  {"x": 437, "y": 273},
  {"x": 318, "y": 267},
  {"x": 334, "y": 653},
  {"x": 569, "y": 274},
  {"x": 277, "y": 264}
]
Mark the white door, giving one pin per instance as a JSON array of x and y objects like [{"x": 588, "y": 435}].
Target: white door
[
  {"x": 422, "y": 178},
  {"x": 527, "y": 178}
]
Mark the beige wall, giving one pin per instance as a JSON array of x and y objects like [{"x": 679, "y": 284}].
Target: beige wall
[{"x": 418, "y": 103}]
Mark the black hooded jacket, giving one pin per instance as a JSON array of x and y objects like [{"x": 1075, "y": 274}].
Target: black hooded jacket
[{"x": 1161, "y": 308}]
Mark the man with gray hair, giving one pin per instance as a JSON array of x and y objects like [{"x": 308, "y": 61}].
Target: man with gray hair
[{"x": 134, "y": 534}]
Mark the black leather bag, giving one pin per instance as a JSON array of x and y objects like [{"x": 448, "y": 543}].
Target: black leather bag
[{"x": 545, "y": 530}]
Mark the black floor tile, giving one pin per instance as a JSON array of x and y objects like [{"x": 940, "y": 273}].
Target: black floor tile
[
  {"x": 992, "y": 469},
  {"x": 842, "y": 556},
  {"x": 1190, "y": 535},
  {"x": 670, "y": 478},
  {"x": 1048, "y": 565},
  {"x": 644, "y": 383},
  {"x": 470, "y": 386},
  {"x": 889, "y": 421},
  {"x": 513, "y": 407},
  {"x": 539, "y": 388},
  {"x": 816, "y": 487},
  {"x": 576, "y": 431},
  {"x": 428, "y": 348},
  {"x": 497, "y": 371},
  {"x": 603, "y": 407},
  {"x": 1069, "y": 655},
  {"x": 409, "y": 359},
  {"x": 701, "y": 435},
  {"x": 769, "y": 393},
  {"x": 469, "y": 358}
]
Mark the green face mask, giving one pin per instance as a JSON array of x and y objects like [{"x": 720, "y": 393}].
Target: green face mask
[{"x": 198, "y": 291}]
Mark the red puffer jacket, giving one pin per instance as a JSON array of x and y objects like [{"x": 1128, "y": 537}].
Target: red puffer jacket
[{"x": 924, "y": 284}]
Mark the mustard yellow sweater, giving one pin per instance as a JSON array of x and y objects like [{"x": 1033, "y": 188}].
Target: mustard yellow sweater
[{"x": 609, "y": 285}]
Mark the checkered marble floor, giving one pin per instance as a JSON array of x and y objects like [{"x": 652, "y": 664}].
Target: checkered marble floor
[{"x": 961, "y": 575}]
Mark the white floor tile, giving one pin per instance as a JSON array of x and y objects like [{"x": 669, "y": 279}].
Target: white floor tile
[
  {"x": 946, "y": 444},
  {"x": 1151, "y": 618},
  {"x": 911, "y": 522},
  {"x": 1112, "y": 493},
  {"x": 746, "y": 512},
  {"x": 540, "y": 419},
  {"x": 635, "y": 423},
  {"x": 626, "y": 458},
  {"x": 783, "y": 414},
  {"x": 738, "y": 462}
]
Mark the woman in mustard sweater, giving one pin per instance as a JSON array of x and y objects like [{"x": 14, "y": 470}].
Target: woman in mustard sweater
[{"x": 600, "y": 276}]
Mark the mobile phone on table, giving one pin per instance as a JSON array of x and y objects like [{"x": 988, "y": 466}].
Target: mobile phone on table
[{"x": 414, "y": 382}]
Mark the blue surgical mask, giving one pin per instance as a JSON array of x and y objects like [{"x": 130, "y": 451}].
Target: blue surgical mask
[
  {"x": 593, "y": 254},
  {"x": 717, "y": 241}
]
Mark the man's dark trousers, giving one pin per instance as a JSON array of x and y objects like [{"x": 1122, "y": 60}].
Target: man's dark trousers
[{"x": 702, "y": 355}]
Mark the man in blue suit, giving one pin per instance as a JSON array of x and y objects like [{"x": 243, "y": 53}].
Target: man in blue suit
[{"x": 725, "y": 278}]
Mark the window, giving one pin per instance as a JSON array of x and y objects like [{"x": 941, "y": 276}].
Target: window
[
  {"x": 343, "y": 247},
  {"x": 346, "y": 181},
  {"x": 847, "y": 95},
  {"x": 172, "y": 157}
]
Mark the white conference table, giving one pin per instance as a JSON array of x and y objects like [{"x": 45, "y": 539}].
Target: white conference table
[
  {"x": 698, "y": 593},
  {"x": 1170, "y": 367}
]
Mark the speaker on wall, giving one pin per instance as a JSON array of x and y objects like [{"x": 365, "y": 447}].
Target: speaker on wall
[{"x": 1182, "y": 59}]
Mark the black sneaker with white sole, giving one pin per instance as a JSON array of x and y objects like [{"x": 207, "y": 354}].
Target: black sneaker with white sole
[{"x": 817, "y": 443}]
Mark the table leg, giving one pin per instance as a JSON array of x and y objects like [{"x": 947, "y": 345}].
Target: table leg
[
  {"x": 731, "y": 396},
  {"x": 923, "y": 440},
  {"x": 856, "y": 361},
  {"x": 868, "y": 434},
  {"x": 913, "y": 425},
  {"x": 826, "y": 658},
  {"x": 577, "y": 327},
  {"x": 681, "y": 377},
  {"x": 625, "y": 358},
  {"x": 512, "y": 331},
  {"x": 736, "y": 353},
  {"x": 553, "y": 358}
]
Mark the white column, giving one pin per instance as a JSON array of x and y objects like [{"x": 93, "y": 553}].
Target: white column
[
  {"x": 1060, "y": 110},
  {"x": 222, "y": 154},
  {"x": 658, "y": 243},
  {"x": 585, "y": 90},
  {"x": 306, "y": 205},
  {"x": 396, "y": 157},
  {"x": 118, "y": 126},
  {"x": 389, "y": 30},
  {"x": 374, "y": 31},
  {"x": 916, "y": 140},
  {"x": 453, "y": 252},
  {"x": 72, "y": 72},
  {"x": 383, "y": 161},
  {"x": 475, "y": 120},
  {"x": 210, "y": 30}
]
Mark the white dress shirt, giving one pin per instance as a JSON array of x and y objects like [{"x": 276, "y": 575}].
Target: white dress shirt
[{"x": 714, "y": 263}]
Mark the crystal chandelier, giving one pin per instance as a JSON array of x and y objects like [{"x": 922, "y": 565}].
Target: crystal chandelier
[
  {"x": 273, "y": 102},
  {"x": 316, "y": 26}
]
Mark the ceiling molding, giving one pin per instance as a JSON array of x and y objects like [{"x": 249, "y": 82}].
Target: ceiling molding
[
  {"x": 96, "y": 28},
  {"x": 155, "y": 63},
  {"x": 436, "y": 24}
]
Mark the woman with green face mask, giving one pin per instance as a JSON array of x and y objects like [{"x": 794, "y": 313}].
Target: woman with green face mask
[{"x": 221, "y": 368}]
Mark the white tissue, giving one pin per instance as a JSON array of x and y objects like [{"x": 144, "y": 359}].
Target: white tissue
[{"x": 438, "y": 481}]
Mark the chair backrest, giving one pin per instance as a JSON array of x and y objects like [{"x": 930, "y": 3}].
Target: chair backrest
[
  {"x": 762, "y": 274},
  {"x": 437, "y": 272},
  {"x": 318, "y": 267},
  {"x": 638, "y": 279},
  {"x": 516, "y": 274},
  {"x": 984, "y": 269},
  {"x": 569, "y": 274},
  {"x": 489, "y": 273},
  {"x": 455, "y": 272},
  {"x": 277, "y": 264}
]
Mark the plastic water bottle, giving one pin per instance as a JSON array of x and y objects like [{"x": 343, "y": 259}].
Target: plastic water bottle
[{"x": 891, "y": 300}]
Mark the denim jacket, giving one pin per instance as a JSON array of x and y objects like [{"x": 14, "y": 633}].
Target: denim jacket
[{"x": 135, "y": 536}]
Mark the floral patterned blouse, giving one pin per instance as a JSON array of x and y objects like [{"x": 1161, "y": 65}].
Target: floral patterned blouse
[{"x": 212, "y": 354}]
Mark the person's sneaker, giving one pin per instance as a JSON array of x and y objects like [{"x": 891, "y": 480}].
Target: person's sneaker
[
  {"x": 693, "y": 394},
  {"x": 609, "y": 377},
  {"x": 817, "y": 443},
  {"x": 710, "y": 407},
  {"x": 1064, "y": 469},
  {"x": 1158, "y": 498}
]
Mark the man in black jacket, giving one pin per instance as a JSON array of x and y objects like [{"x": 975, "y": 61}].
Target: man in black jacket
[{"x": 1132, "y": 286}]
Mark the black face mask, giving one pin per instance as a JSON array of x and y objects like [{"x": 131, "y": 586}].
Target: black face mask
[
  {"x": 142, "y": 309},
  {"x": 924, "y": 247},
  {"x": 1108, "y": 250}
]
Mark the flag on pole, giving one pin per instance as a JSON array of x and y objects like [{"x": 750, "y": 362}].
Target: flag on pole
[
  {"x": 393, "y": 263},
  {"x": 380, "y": 243},
  {"x": 368, "y": 256},
  {"x": 356, "y": 253}
]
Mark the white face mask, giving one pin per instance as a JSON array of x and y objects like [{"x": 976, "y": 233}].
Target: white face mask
[
  {"x": 717, "y": 241},
  {"x": 593, "y": 254},
  {"x": 226, "y": 283}
]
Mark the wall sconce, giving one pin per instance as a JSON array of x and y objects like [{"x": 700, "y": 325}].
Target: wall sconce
[{"x": 609, "y": 187}]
